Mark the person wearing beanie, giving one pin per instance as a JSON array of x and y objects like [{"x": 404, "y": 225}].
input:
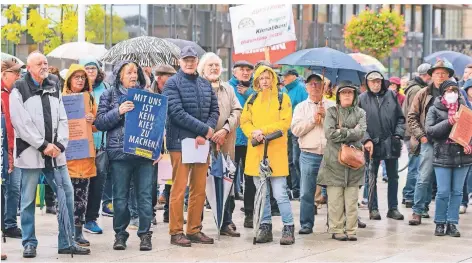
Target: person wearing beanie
[
  {"x": 100, "y": 181},
  {"x": 451, "y": 160},
  {"x": 423, "y": 100}
]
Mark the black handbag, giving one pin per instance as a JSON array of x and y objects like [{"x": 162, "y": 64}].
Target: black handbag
[{"x": 101, "y": 159}]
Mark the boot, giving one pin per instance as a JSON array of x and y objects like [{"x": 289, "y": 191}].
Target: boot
[
  {"x": 439, "y": 231},
  {"x": 452, "y": 231},
  {"x": 394, "y": 214},
  {"x": 288, "y": 235},
  {"x": 360, "y": 224},
  {"x": 79, "y": 237},
  {"x": 265, "y": 234},
  {"x": 145, "y": 244},
  {"x": 374, "y": 215},
  {"x": 415, "y": 220},
  {"x": 248, "y": 221}
]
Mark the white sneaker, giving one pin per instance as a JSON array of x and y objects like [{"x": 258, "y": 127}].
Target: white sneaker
[{"x": 462, "y": 209}]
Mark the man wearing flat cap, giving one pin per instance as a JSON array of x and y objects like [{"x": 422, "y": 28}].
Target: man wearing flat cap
[
  {"x": 192, "y": 113},
  {"x": 162, "y": 74},
  {"x": 439, "y": 73},
  {"x": 385, "y": 130}
]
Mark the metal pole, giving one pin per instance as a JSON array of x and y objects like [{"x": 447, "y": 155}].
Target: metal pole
[
  {"x": 105, "y": 27},
  {"x": 111, "y": 25},
  {"x": 428, "y": 30},
  {"x": 81, "y": 23}
]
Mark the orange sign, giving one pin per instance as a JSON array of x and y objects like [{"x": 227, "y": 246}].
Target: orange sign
[{"x": 276, "y": 53}]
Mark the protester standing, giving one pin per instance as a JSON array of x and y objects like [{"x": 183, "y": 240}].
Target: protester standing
[
  {"x": 125, "y": 167},
  {"x": 395, "y": 87},
  {"x": 193, "y": 113}
]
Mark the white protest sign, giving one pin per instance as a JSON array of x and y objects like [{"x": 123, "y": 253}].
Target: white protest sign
[{"x": 259, "y": 26}]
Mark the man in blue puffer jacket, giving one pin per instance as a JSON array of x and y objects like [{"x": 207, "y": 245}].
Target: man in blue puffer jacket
[
  {"x": 295, "y": 87},
  {"x": 192, "y": 113}
]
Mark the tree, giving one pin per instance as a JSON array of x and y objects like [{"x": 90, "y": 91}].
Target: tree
[
  {"x": 49, "y": 33},
  {"x": 375, "y": 34}
]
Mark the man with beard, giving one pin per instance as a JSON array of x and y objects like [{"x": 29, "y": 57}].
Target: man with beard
[
  {"x": 439, "y": 73},
  {"x": 41, "y": 140}
]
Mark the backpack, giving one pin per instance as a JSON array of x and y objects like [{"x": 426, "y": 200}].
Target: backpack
[{"x": 254, "y": 97}]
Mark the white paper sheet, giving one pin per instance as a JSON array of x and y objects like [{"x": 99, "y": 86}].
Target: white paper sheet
[{"x": 190, "y": 154}]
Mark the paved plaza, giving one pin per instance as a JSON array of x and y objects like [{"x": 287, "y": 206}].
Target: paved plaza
[{"x": 382, "y": 241}]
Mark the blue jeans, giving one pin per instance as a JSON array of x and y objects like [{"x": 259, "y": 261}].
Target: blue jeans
[
  {"x": 384, "y": 170},
  {"x": 294, "y": 162},
  {"x": 309, "y": 166},
  {"x": 448, "y": 198},
  {"x": 29, "y": 182},
  {"x": 279, "y": 186},
  {"x": 12, "y": 198},
  {"x": 409, "y": 189},
  {"x": 107, "y": 196},
  {"x": 123, "y": 172},
  {"x": 132, "y": 202},
  {"x": 423, "y": 187},
  {"x": 392, "y": 190},
  {"x": 467, "y": 188}
]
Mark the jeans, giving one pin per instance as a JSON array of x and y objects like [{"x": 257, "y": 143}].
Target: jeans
[
  {"x": 423, "y": 182},
  {"x": 12, "y": 198},
  {"x": 279, "y": 186},
  {"x": 309, "y": 166},
  {"x": 107, "y": 196},
  {"x": 95, "y": 193},
  {"x": 392, "y": 190},
  {"x": 384, "y": 170},
  {"x": 409, "y": 189},
  {"x": 467, "y": 188},
  {"x": 365, "y": 194},
  {"x": 49, "y": 196},
  {"x": 294, "y": 163},
  {"x": 132, "y": 202},
  {"x": 448, "y": 198},
  {"x": 29, "y": 182},
  {"x": 140, "y": 173}
]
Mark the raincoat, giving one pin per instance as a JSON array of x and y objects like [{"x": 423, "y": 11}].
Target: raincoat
[
  {"x": 331, "y": 172},
  {"x": 264, "y": 114},
  {"x": 82, "y": 168}
]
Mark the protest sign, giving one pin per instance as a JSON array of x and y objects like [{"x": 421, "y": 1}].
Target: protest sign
[
  {"x": 80, "y": 144},
  {"x": 261, "y": 26},
  {"x": 461, "y": 131},
  {"x": 144, "y": 126},
  {"x": 276, "y": 53}
]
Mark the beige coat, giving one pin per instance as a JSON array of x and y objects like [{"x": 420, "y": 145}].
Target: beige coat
[
  {"x": 311, "y": 137},
  {"x": 230, "y": 111}
]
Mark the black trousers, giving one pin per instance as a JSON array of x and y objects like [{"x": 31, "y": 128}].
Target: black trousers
[
  {"x": 49, "y": 196},
  {"x": 154, "y": 189},
  {"x": 96, "y": 186}
]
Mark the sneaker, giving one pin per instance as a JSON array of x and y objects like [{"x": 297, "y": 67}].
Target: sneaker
[
  {"x": 92, "y": 228},
  {"x": 133, "y": 224},
  {"x": 29, "y": 251},
  {"x": 145, "y": 244},
  {"x": 375, "y": 215},
  {"x": 74, "y": 249},
  {"x": 462, "y": 209},
  {"x": 439, "y": 230},
  {"x": 14, "y": 232},
  {"x": 394, "y": 214},
  {"x": 415, "y": 220},
  {"x": 107, "y": 210}
]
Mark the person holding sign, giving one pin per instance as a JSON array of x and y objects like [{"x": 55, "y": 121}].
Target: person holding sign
[
  {"x": 192, "y": 114},
  {"x": 225, "y": 135},
  {"x": 125, "y": 167},
  {"x": 81, "y": 170},
  {"x": 451, "y": 160},
  {"x": 265, "y": 112}
]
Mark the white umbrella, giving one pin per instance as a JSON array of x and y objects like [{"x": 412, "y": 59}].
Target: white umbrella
[{"x": 77, "y": 50}]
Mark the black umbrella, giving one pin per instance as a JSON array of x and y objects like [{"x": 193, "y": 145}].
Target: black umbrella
[
  {"x": 181, "y": 43},
  {"x": 146, "y": 51}
]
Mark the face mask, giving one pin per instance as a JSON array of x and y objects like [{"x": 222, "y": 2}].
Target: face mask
[{"x": 451, "y": 97}]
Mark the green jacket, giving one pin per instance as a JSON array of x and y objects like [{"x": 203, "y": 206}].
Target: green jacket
[{"x": 353, "y": 122}]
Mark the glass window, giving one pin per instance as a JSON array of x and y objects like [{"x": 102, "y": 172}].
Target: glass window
[
  {"x": 419, "y": 19},
  {"x": 397, "y": 8},
  {"x": 322, "y": 13},
  {"x": 438, "y": 29},
  {"x": 222, "y": 8},
  {"x": 335, "y": 14}
]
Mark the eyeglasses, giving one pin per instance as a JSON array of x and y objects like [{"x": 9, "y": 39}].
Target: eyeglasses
[
  {"x": 314, "y": 84},
  {"x": 77, "y": 78},
  {"x": 90, "y": 68}
]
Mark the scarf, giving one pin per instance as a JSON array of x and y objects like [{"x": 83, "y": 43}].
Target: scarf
[{"x": 451, "y": 111}]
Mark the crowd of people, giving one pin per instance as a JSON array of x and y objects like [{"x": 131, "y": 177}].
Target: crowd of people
[{"x": 334, "y": 136}]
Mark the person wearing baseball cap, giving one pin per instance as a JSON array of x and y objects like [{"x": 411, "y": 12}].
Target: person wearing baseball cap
[
  {"x": 423, "y": 100},
  {"x": 10, "y": 74},
  {"x": 385, "y": 130},
  {"x": 296, "y": 90},
  {"x": 193, "y": 113}
]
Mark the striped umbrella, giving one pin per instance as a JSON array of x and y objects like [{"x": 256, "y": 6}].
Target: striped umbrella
[
  {"x": 6, "y": 56},
  {"x": 369, "y": 63},
  {"x": 146, "y": 51}
]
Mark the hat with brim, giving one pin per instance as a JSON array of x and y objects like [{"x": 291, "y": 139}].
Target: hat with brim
[
  {"x": 441, "y": 64},
  {"x": 374, "y": 75},
  {"x": 165, "y": 69},
  {"x": 11, "y": 66},
  {"x": 243, "y": 63},
  {"x": 346, "y": 87}
]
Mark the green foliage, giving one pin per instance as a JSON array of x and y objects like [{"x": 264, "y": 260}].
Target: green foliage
[
  {"x": 375, "y": 34},
  {"x": 12, "y": 31},
  {"x": 95, "y": 22}
]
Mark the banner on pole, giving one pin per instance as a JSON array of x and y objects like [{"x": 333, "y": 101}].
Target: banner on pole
[{"x": 259, "y": 26}]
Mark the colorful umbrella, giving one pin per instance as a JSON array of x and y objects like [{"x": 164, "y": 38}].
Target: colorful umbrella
[{"x": 369, "y": 63}]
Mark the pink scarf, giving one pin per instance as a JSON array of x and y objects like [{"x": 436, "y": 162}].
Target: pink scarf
[{"x": 451, "y": 111}]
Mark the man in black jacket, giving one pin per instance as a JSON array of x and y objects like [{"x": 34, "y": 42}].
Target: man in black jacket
[{"x": 385, "y": 129}]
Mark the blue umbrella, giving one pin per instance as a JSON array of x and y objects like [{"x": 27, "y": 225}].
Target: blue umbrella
[
  {"x": 458, "y": 60},
  {"x": 334, "y": 64}
]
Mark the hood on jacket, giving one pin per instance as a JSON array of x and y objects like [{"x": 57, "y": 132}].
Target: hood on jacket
[
  {"x": 258, "y": 72},
  {"x": 90, "y": 60},
  {"x": 468, "y": 84},
  {"x": 295, "y": 82},
  {"x": 72, "y": 69},
  {"x": 344, "y": 84},
  {"x": 415, "y": 81},
  {"x": 384, "y": 86},
  {"x": 115, "y": 79}
]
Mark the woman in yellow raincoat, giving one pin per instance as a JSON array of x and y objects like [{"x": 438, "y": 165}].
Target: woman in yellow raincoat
[
  {"x": 81, "y": 170},
  {"x": 261, "y": 116}
]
